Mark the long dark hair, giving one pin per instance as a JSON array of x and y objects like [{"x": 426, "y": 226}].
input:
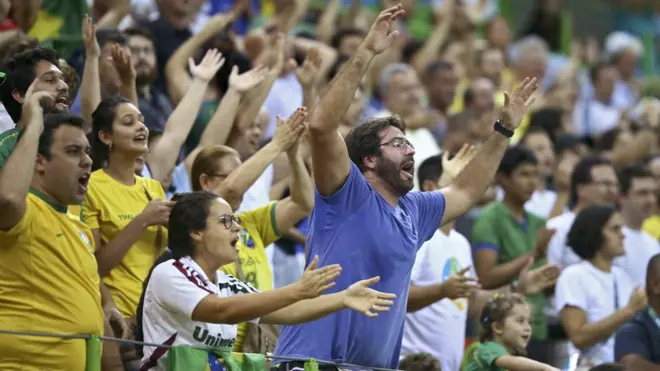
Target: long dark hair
[
  {"x": 102, "y": 120},
  {"x": 138, "y": 331}
]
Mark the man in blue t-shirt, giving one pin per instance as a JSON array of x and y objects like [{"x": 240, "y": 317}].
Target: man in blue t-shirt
[
  {"x": 637, "y": 342},
  {"x": 365, "y": 217}
]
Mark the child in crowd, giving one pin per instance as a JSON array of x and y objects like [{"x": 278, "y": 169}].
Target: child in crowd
[{"x": 506, "y": 330}]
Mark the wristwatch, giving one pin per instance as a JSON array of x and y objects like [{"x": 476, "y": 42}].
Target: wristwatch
[{"x": 498, "y": 127}]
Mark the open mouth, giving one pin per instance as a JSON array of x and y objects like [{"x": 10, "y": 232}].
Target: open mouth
[
  {"x": 83, "y": 181},
  {"x": 525, "y": 338},
  {"x": 408, "y": 169},
  {"x": 62, "y": 102},
  {"x": 234, "y": 242},
  {"x": 141, "y": 138}
]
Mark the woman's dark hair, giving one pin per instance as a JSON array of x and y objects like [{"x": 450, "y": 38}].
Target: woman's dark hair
[
  {"x": 188, "y": 215},
  {"x": 586, "y": 234},
  {"x": 138, "y": 331},
  {"x": 102, "y": 120},
  {"x": 233, "y": 57},
  {"x": 497, "y": 309},
  {"x": 419, "y": 362}
]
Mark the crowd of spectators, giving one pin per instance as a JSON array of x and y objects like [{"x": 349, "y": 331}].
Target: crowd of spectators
[{"x": 171, "y": 172}]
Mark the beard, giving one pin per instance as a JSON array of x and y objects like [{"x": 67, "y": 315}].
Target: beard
[
  {"x": 390, "y": 172},
  {"x": 146, "y": 78}
]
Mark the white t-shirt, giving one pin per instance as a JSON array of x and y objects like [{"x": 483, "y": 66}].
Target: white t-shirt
[
  {"x": 258, "y": 195},
  {"x": 592, "y": 118},
  {"x": 174, "y": 290},
  {"x": 558, "y": 252},
  {"x": 439, "y": 329},
  {"x": 640, "y": 248},
  {"x": 584, "y": 286}
]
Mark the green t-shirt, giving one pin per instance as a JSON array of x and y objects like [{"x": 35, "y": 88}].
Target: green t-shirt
[
  {"x": 497, "y": 229},
  {"x": 483, "y": 358},
  {"x": 8, "y": 140},
  {"x": 203, "y": 117}
]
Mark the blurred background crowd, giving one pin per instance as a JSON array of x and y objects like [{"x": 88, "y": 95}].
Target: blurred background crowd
[{"x": 591, "y": 139}]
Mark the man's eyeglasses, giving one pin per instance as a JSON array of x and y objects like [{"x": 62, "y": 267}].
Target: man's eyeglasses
[
  {"x": 398, "y": 142},
  {"x": 229, "y": 220}
]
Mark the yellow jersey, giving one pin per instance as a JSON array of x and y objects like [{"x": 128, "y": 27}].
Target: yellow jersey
[
  {"x": 109, "y": 206},
  {"x": 49, "y": 283},
  {"x": 258, "y": 230},
  {"x": 652, "y": 226}
]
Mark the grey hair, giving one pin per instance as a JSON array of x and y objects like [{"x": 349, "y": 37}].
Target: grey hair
[
  {"x": 528, "y": 44},
  {"x": 388, "y": 72}
]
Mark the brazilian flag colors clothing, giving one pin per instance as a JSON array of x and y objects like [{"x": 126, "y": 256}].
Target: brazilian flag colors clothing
[
  {"x": 173, "y": 292},
  {"x": 8, "y": 141},
  {"x": 59, "y": 25},
  {"x": 186, "y": 358}
]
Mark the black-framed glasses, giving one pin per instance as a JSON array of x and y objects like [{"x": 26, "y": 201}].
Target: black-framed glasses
[
  {"x": 398, "y": 142},
  {"x": 229, "y": 220}
]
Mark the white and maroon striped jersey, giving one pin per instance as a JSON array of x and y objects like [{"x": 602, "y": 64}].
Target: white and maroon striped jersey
[{"x": 174, "y": 290}]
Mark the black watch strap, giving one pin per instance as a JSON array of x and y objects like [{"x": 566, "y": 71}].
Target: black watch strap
[{"x": 498, "y": 127}]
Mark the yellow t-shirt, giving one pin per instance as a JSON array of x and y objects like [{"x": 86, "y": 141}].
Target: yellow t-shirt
[
  {"x": 652, "y": 226},
  {"x": 48, "y": 283},
  {"x": 109, "y": 206},
  {"x": 258, "y": 230}
]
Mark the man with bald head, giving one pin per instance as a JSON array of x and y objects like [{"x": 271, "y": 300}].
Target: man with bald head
[{"x": 637, "y": 344}]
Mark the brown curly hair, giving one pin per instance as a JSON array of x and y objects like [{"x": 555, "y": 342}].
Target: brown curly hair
[{"x": 497, "y": 309}]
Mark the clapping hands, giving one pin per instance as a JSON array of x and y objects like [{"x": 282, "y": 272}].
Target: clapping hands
[
  {"x": 289, "y": 131},
  {"x": 208, "y": 67}
]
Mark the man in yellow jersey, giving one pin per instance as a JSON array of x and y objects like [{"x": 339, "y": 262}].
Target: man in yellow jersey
[{"x": 48, "y": 274}]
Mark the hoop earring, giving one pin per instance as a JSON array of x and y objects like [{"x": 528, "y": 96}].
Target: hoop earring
[{"x": 110, "y": 147}]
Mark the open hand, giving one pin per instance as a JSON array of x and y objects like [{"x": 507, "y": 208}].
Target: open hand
[
  {"x": 246, "y": 81},
  {"x": 121, "y": 58},
  {"x": 361, "y": 298},
  {"x": 537, "y": 280},
  {"x": 316, "y": 281},
  {"x": 516, "y": 105},
  {"x": 380, "y": 36},
  {"x": 289, "y": 131},
  {"x": 454, "y": 166},
  {"x": 459, "y": 286},
  {"x": 92, "y": 49},
  {"x": 307, "y": 74},
  {"x": 208, "y": 67}
]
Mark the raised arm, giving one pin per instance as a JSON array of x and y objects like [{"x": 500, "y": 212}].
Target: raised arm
[
  {"x": 473, "y": 182},
  {"x": 329, "y": 154},
  {"x": 121, "y": 58},
  {"x": 178, "y": 79},
  {"x": 241, "y": 179},
  {"x": 90, "y": 88},
  {"x": 292, "y": 209},
  {"x": 162, "y": 158},
  {"x": 16, "y": 175}
]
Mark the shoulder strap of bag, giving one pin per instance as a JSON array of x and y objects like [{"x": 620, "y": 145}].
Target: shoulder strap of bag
[{"x": 159, "y": 231}]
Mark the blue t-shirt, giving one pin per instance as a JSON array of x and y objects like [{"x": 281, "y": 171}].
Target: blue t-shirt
[{"x": 357, "y": 228}]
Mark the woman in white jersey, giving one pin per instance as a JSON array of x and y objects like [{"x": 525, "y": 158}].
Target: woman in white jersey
[
  {"x": 593, "y": 297},
  {"x": 188, "y": 301}
]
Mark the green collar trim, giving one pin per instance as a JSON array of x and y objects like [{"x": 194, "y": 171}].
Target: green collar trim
[{"x": 57, "y": 207}]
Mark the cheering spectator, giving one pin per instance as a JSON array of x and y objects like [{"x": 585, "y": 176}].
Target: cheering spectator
[
  {"x": 368, "y": 177},
  {"x": 638, "y": 190},
  {"x": 593, "y": 182},
  {"x": 637, "y": 343},
  {"x": 506, "y": 330},
  {"x": 188, "y": 301},
  {"x": 48, "y": 279},
  {"x": 506, "y": 236},
  {"x": 261, "y": 226},
  {"x": 591, "y": 316},
  {"x": 21, "y": 70}
]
